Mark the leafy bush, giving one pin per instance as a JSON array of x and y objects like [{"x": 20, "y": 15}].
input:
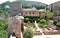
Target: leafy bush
[
  {"x": 54, "y": 22},
  {"x": 49, "y": 15},
  {"x": 42, "y": 25},
  {"x": 27, "y": 20},
  {"x": 3, "y": 29},
  {"x": 58, "y": 24},
  {"x": 3, "y": 34},
  {"x": 43, "y": 21},
  {"x": 28, "y": 33},
  {"x": 3, "y": 24},
  {"x": 31, "y": 20}
]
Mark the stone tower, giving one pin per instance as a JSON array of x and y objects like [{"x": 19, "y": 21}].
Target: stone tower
[
  {"x": 15, "y": 23},
  {"x": 15, "y": 26},
  {"x": 15, "y": 8}
]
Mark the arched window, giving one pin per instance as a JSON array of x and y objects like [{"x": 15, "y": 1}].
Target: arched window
[
  {"x": 33, "y": 12},
  {"x": 39, "y": 12},
  {"x": 25, "y": 12},
  {"x": 29, "y": 12},
  {"x": 13, "y": 34}
]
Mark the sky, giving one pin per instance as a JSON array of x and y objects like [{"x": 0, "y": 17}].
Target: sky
[
  {"x": 2, "y": 1},
  {"x": 43, "y": 1}
]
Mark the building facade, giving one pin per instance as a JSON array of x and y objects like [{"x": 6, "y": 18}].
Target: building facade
[
  {"x": 16, "y": 9},
  {"x": 56, "y": 9},
  {"x": 32, "y": 13}
]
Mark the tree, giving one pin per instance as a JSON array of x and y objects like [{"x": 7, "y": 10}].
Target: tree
[
  {"x": 3, "y": 29},
  {"x": 25, "y": 5},
  {"x": 49, "y": 15},
  {"x": 39, "y": 7},
  {"x": 3, "y": 9}
]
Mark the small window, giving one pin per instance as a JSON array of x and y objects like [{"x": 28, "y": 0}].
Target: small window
[
  {"x": 26, "y": 12},
  {"x": 33, "y": 12},
  {"x": 29, "y": 12},
  {"x": 39, "y": 12},
  {"x": 13, "y": 34}
]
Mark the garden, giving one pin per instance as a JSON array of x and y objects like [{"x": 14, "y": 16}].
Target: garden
[{"x": 46, "y": 25}]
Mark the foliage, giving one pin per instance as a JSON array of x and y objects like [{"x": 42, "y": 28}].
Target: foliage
[
  {"x": 49, "y": 14},
  {"x": 25, "y": 5},
  {"x": 43, "y": 21},
  {"x": 27, "y": 20},
  {"x": 28, "y": 33},
  {"x": 58, "y": 24},
  {"x": 49, "y": 23},
  {"x": 3, "y": 9},
  {"x": 3, "y": 34},
  {"x": 39, "y": 7},
  {"x": 3, "y": 24},
  {"x": 42, "y": 25},
  {"x": 30, "y": 4},
  {"x": 55, "y": 22},
  {"x": 32, "y": 20},
  {"x": 3, "y": 29}
]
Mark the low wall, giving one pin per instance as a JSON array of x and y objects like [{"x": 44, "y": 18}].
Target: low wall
[{"x": 52, "y": 33}]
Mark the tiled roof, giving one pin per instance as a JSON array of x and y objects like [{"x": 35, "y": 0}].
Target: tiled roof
[{"x": 41, "y": 10}]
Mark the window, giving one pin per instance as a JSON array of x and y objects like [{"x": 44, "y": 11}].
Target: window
[
  {"x": 39, "y": 12},
  {"x": 29, "y": 12},
  {"x": 26, "y": 12},
  {"x": 33, "y": 12}
]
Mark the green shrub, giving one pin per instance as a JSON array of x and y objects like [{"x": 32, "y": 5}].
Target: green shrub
[
  {"x": 49, "y": 14},
  {"x": 3, "y": 29},
  {"x": 3, "y": 24},
  {"x": 42, "y": 25},
  {"x": 3, "y": 34},
  {"x": 28, "y": 33},
  {"x": 49, "y": 23},
  {"x": 43, "y": 21},
  {"x": 55, "y": 22},
  {"x": 27, "y": 20},
  {"x": 58, "y": 24}
]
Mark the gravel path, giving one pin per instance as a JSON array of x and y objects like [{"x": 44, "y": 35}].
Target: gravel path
[{"x": 46, "y": 36}]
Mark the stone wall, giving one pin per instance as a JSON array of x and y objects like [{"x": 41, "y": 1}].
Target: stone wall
[{"x": 15, "y": 25}]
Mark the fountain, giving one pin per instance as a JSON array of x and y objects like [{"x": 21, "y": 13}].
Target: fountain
[
  {"x": 36, "y": 24},
  {"x": 38, "y": 29}
]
